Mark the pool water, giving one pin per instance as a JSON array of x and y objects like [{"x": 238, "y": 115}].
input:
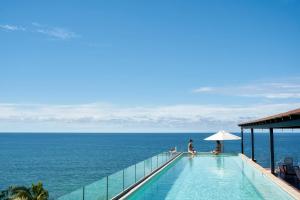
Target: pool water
[{"x": 207, "y": 176}]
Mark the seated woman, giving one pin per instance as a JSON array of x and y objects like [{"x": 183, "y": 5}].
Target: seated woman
[
  {"x": 191, "y": 149},
  {"x": 218, "y": 148}
]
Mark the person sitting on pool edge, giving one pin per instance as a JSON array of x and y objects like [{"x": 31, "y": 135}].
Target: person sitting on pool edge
[
  {"x": 218, "y": 148},
  {"x": 191, "y": 148}
]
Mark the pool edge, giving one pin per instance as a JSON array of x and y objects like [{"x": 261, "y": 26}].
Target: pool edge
[{"x": 280, "y": 183}]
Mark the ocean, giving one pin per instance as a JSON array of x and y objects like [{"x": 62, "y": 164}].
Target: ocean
[{"x": 66, "y": 161}]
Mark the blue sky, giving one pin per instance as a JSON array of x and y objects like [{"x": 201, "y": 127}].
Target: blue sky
[{"x": 146, "y": 65}]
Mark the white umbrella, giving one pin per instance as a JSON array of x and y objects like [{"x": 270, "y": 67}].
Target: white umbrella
[{"x": 223, "y": 135}]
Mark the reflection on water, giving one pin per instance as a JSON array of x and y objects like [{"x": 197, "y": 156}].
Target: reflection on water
[
  {"x": 220, "y": 162},
  {"x": 191, "y": 160}
]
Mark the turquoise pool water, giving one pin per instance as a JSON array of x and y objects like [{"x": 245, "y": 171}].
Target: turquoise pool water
[{"x": 207, "y": 177}]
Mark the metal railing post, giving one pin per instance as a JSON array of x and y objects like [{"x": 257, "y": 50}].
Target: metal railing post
[
  {"x": 144, "y": 169},
  {"x": 167, "y": 156},
  {"x": 83, "y": 193},
  {"x": 123, "y": 181},
  {"x": 158, "y": 160},
  {"x": 135, "y": 172},
  {"x": 107, "y": 188}
]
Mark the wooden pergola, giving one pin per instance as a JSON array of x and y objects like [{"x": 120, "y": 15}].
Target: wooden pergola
[{"x": 287, "y": 120}]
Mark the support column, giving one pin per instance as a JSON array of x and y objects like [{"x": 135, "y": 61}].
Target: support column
[
  {"x": 242, "y": 140},
  {"x": 252, "y": 145},
  {"x": 272, "y": 151}
]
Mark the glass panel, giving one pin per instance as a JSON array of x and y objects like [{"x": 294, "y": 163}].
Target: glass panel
[
  {"x": 76, "y": 195},
  {"x": 96, "y": 190},
  {"x": 119, "y": 181},
  {"x": 154, "y": 162},
  {"x": 160, "y": 159},
  {"x": 167, "y": 156},
  {"x": 129, "y": 176},
  {"x": 148, "y": 166},
  {"x": 139, "y": 171},
  {"x": 163, "y": 156},
  {"x": 115, "y": 184}
]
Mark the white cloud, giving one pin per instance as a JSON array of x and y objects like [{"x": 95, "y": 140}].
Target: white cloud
[
  {"x": 53, "y": 32},
  {"x": 108, "y": 117},
  {"x": 59, "y": 33},
  {"x": 270, "y": 90},
  {"x": 203, "y": 89},
  {"x": 12, "y": 27}
]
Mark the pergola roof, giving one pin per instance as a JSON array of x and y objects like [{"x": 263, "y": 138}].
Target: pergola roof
[{"x": 290, "y": 119}]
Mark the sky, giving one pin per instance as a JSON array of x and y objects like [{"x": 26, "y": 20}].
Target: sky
[{"x": 146, "y": 66}]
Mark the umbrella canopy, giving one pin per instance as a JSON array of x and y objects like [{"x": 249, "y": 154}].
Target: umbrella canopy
[{"x": 223, "y": 135}]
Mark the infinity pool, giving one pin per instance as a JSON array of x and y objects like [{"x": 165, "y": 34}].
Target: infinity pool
[{"x": 207, "y": 176}]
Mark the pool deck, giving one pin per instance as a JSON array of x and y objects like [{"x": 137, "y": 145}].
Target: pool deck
[{"x": 282, "y": 184}]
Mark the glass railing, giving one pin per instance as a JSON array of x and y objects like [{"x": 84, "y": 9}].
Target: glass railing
[{"x": 116, "y": 183}]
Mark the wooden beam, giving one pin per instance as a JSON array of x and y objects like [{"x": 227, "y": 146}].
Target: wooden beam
[{"x": 293, "y": 123}]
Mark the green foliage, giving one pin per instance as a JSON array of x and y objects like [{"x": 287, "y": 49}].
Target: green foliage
[
  {"x": 39, "y": 193},
  {"x": 35, "y": 192}
]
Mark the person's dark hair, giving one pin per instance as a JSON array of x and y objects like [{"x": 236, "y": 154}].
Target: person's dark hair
[
  {"x": 218, "y": 141},
  {"x": 191, "y": 140}
]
